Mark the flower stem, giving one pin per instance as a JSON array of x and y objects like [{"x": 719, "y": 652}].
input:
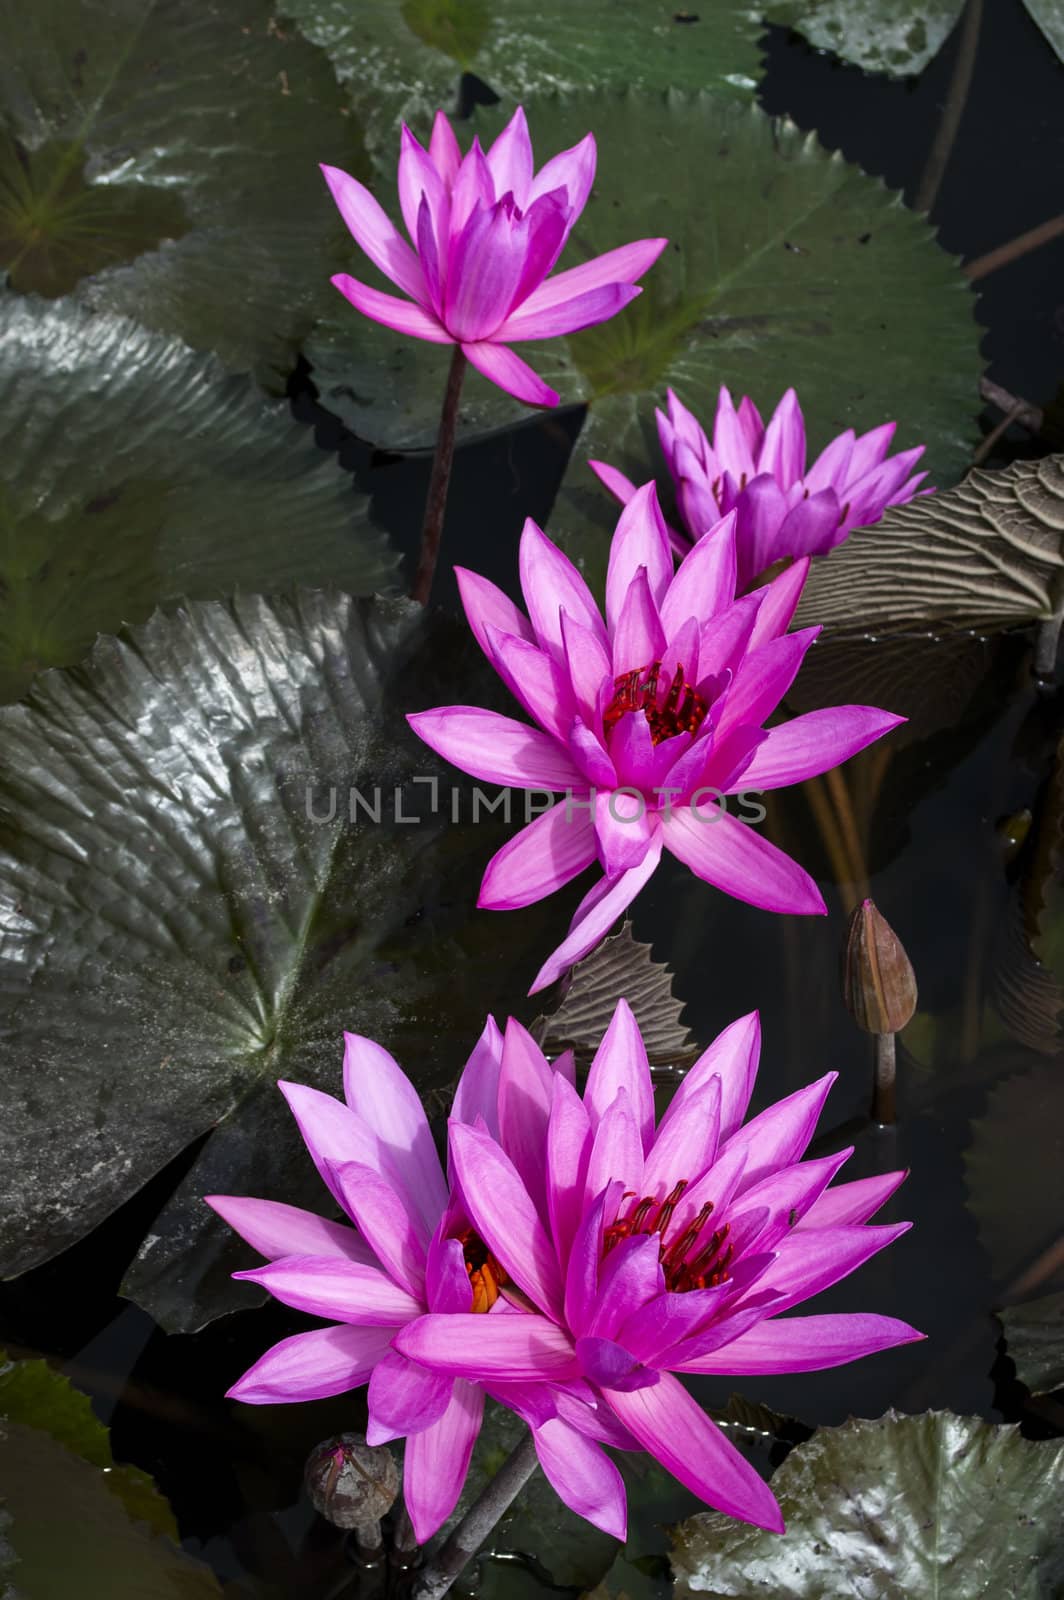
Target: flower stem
[
  {"x": 883, "y": 1110},
  {"x": 436, "y": 504},
  {"x": 953, "y": 109},
  {"x": 491, "y": 1504}
]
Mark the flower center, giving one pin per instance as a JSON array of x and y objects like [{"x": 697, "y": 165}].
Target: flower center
[
  {"x": 677, "y": 708},
  {"x": 485, "y": 1274},
  {"x": 688, "y": 1260}
]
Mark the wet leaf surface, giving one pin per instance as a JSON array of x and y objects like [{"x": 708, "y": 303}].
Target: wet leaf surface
[
  {"x": 1034, "y": 1339},
  {"x": 899, "y": 37}
]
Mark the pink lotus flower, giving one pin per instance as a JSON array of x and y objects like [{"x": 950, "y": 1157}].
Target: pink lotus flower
[
  {"x": 647, "y": 721},
  {"x": 485, "y": 232},
  {"x": 783, "y": 509},
  {"x": 414, "y": 1251},
  {"x": 649, "y": 1251}
]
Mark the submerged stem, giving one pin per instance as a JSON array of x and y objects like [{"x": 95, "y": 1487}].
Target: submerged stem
[
  {"x": 491, "y": 1504},
  {"x": 953, "y": 109},
  {"x": 883, "y": 1109},
  {"x": 436, "y": 504}
]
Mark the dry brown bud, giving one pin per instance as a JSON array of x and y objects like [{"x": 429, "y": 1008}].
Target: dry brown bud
[
  {"x": 352, "y": 1484},
  {"x": 878, "y": 982}
]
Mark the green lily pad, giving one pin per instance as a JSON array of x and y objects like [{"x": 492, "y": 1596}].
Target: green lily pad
[
  {"x": 898, "y": 37},
  {"x": 34, "y": 1395},
  {"x": 903, "y": 1508},
  {"x": 206, "y": 875},
  {"x": 1034, "y": 1338},
  {"x": 1020, "y": 1133},
  {"x": 402, "y": 59},
  {"x": 135, "y": 472},
  {"x": 163, "y": 160}
]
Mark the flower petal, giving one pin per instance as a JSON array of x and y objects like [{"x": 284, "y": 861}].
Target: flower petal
[
  {"x": 447, "y": 1285},
  {"x": 630, "y": 1275},
  {"x": 811, "y": 744},
  {"x": 568, "y": 316},
  {"x": 376, "y": 234},
  {"x": 779, "y": 601},
  {"x": 804, "y": 1344},
  {"x": 572, "y": 170},
  {"x": 704, "y": 584},
  {"x": 597, "y": 913},
  {"x": 543, "y": 857},
  {"x": 638, "y": 638},
  {"x": 777, "y": 1137},
  {"x": 731, "y": 441},
  {"x": 381, "y": 1215},
  {"x": 510, "y": 160},
  {"x": 589, "y": 664},
  {"x": 275, "y": 1229},
  {"x": 686, "y": 1145},
  {"x": 607, "y": 1365},
  {"x": 495, "y": 748},
  {"x": 486, "y": 607},
  {"x": 333, "y": 1133},
  {"x": 733, "y": 1057},
  {"x": 551, "y": 584},
  {"x": 788, "y": 1194},
  {"x": 345, "y": 1291},
  {"x": 380, "y": 1093},
  {"x": 402, "y": 316},
  {"x": 525, "y": 1094},
  {"x": 678, "y": 1433},
  {"x": 505, "y": 1217},
  {"x": 783, "y": 447},
  {"x": 436, "y": 1461},
  {"x": 810, "y": 1260},
  {"x": 852, "y": 1202},
  {"x": 640, "y": 542},
  {"x": 312, "y": 1366},
  {"x": 477, "y": 1094},
  {"x": 616, "y": 1149},
  {"x": 623, "y": 827},
  {"x": 404, "y": 1398},
  {"x": 568, "y": 1152},
  {"x": 763, "y": 678},
  {"x": 582, "y": 1476},
  {"x": 517, "y": 1348},
  {"x": 623, "y": 265},
  {"x": 418, "y": 175},
  {"x": 536, "y": 680},
  {"x": 444, "y": 151},
  {"x": 812, "y": 527},
  {"x": 620, "y": 1062},
  {"x": 483, "y": 271},
  {"x": 619, "y": 486},
  {"x": 733, "y": 857},
  {"x": 504, "y": 367}
]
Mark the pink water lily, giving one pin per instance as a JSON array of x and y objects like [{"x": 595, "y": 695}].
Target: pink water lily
[
  {"x": 784, "y": 508},
  {"x": 655, "y": 1247},
  {"x": 485, "y": 230},
  {"x": 647, "y": 720},
  {"x": 406, "y": 1248}
]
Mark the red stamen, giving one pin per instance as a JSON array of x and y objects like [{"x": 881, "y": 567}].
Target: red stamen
[
  {"x": 682, "y": 711},
  {"x": 682, "y": 1270}
]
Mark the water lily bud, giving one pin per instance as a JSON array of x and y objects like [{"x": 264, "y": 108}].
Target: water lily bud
[
  {"x": 352, "y": 1485},
  {"x": 878, "y": 982}
]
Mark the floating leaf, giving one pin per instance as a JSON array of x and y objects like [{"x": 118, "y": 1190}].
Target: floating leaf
[
  {"x": 899, "y": 37},
  {"x": 986, "y": 554},
  {"x": 135, "y": 472},
  {"x": 195, "y": 900},
  {"x": 402, "y": 59},
  {"x": 620, "y": 965},
  {"x": 1020, "y": 1133},
  {"x": 785, "y": 266},
  {"x": 902, "y": 1508},
  {"x": 164, "y": 161},
  {"x": 1034, "y": 1337}
]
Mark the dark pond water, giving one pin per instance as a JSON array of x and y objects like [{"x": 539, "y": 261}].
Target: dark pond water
[{"x": 927, "y": 829}]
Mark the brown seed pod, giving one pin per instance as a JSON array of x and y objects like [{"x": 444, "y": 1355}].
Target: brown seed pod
[
  {"x": 878, "y": 982},
  {"x": 351, "y": 1484}
]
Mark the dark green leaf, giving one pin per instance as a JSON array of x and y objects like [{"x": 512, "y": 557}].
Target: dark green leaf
[
  {"x": 164, "y": 160},
  {"x": 135, "y": 472},
  {"x": 1021, "y": 1133},
  {"x": 935, "y": 1507},
  {"x": 1034, "y": 1337},
  {"x": 185, "y": 918},
  {"x": 899, "y": 37}
]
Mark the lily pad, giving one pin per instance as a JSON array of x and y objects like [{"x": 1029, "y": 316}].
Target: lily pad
[
  {"x": 903, "y": 1508},
  {"x": 898, "y": 37},
  {"x": 135, "y": 472},
  {"x": 620, "y": 965},
  {"x": 403, "y": 59},
  {"x": 987, "y": 553},
  {"x": 163, "y": 160},
  {"x": 1034, "y": 1337},
  {"x": 1020, "y": 1133},
  {"x": 205, "y": 876}
]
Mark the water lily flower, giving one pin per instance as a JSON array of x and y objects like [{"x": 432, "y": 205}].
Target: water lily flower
[
  {"x": 655, "y": 1247},
  {"x": 783, "y": 508},
  {"x": 647, "y": 721},
  {"x": 406, "y": 1249},
  {"x": 485, "y": 231}
]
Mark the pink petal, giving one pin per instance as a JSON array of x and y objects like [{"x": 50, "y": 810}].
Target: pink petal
[
  {"x": 831, "y": 468},
  {"x": 403, "y": 316},
  {"x": 568, "y": 1151},
  {"x": 432, "y": 264},
  {"x": 312, "y": 1366},
  {"x": 594, "y": 762},
  {"x": 477, "y": 1094},
  {"x": 725, "y": 638},
  {"x": 542, "y": 232},
  {"x": 779, "y": 602},
  {"x": 516, "y": 1349},
  {"x": 333, "y": 1133},
  {"x": 616, "y": 1150},
  {"x": 718, "y": 1185},
  {"x": 620, "y": 1062},
  {"x": 637, "y": 635},
  {"x": 619, "y": 486},
  {"x": 375, "y": 233},
  {"x": 813, "y": 743},
  {"x": 378, "y": 1091},
  {"x": 704, "y": 583},
  {"x": 629, "y": 1276},
  {"x": 504, "y": 367},
  {"x": 444, "y": 152},
  {"x": 404, "y": 1398},
  {"x": 783, "y": 447},
  {"x": 387, "y": 1225},
  {"x": 568, "y": 316},
  {"x": 505, "y": 1217},
  {"x": 447, "y": 1285},
  {"x": 472, "y": 186},
  {"x": 551, "y": 584},
  {"x": 764, "y": 678},
  {"x": 418, "y": 175},
  {"x": 275, "y": 1229},
  {"x": 582, "y": 1476},
  {"x": 804, "y": 1344},
  {"x": 734, "y": 857},
  {"x": 686, "y": 1145},
  {"x": 486, "y": 607},
  {"x": 788, "y": 1193},
  {"x": 778, "y": 1135},
  {"x": 812, "y": 527},
  {"x": 678, "y": 1433},
  {"x": 733, "y": 1057},
  {"x": 589, "y": 664},
  {"x": 484, "y": 268},
  {"x": 536, "y": 680},
  {"x": 496, "y": 749},
  {"x": 510, "y": 160},
  {"x": 525, "y": 1092},
  {"x": 436, "y": 1461},
  {"x": 810, "y": 1260},
  {"x": 624, "y": 828},
  {"x": 608, "y": 1365},
  {"x": 852, "y": 1202},
  {"x": 345, "y": 1291},
  {"x": 582, "y": 1267},
  {"x": 572, "y": 170},
  {"x": 597, "y": 913},
  {"x": 543, "y": 857},
  {"x": 640, "y": 543},
  {"x": 730, "y": 439}
]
